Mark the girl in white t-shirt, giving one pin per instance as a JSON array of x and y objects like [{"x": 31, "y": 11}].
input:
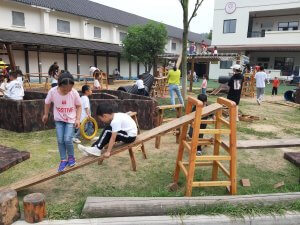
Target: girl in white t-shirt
[{"x": 97, "y": 85}]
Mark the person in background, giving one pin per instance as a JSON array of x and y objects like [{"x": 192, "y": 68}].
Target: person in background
[
  {"x": 93, "y": 70},
  {"x": 203, "y": 47},
  {"x": 53, "y": 72},
  {"x": 204, "y": 84},
  {"x": 195, "y": 77},
  {"x": 268, "y": 77},
  {"x": 140, "y": 84},
  {"x": 96, "y": 85},
  {"x": 174, "y": 81},
  {"x": 2, "y": 65},
  {"x": 235, "y": 87},
  {"x": 276, "y": 84},
  {"x": 67, "y": 112},
  {"x": 85, "y": 112},
  {"x": 215, "y": 51},
  {"x": 260, "y": 78},
  {"x": 13, "y": 89}
]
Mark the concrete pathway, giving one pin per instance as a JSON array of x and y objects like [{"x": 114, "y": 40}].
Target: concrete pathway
[{"x": 287, "y": 219}]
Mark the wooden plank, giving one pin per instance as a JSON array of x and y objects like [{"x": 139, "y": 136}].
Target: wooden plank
[
  {"x": 268, "y": 143},
  {"x": 183, "y": 168},
  {"x": 211, "y": 183},
  {"x": 245, "y": 182},
  {"x": 150, "y": 206},
  {"x": 293, "y": 157},
  {"x": 214, "y": 131},
  {"x": 84, "y": 161},
  {"x": 187, "y": 146},
  {"x": 213, "y": 157},
  {"x": 279, "y": 185},
  {"x": 199, "y": 163},
  {"x": 163, "y": 107},
  {"x": 220, "y": 165}
]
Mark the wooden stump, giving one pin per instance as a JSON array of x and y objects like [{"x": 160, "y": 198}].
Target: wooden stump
[
  {"x": 34, "y": 207},
  {"x": 9, "y": 207}
]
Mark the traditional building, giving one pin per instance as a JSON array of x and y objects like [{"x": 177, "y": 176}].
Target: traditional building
[
  {"x": 75, "y": 33},
  {"x": 266, "y": 31}
]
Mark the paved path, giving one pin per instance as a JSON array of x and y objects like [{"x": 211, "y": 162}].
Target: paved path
[{"x": 287, "y": 219}]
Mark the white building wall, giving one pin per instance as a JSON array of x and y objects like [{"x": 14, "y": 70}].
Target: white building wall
[
  {"x": 47, "y": 59},
  {"x": 85, "y": 62},
  {"x": 72, "y": 63},
  {"x": 75, "y": 24},
  {"x": 32, "y": 16},
  {"x": 215, "y": 72},
  {"x": 105, "y": 31},
  {"x": 101, "y": 61},
  {"x": 113, "y": 64},
  {"x": 33, "y": 62},
  {"x": 124, "y": 67},
  {"x": 241, "y": 14}
]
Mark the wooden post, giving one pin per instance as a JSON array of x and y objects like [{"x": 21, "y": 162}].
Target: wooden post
[
  {"x": 39, "y": 64},
  {"x": 138, "y": 68},
  {"x": 192, "y": 72},
  {"x": 107, "y": 64},
  {"x": 119, "y": 62},
  {"x": 26, "y": 57},
  {"x": 9, "y": 207},
  {"x": 34, "y": 207},
  {"x": 95, "y": 59},
  {"x": 217, "y": 144},
  {"x": 65, "y": 59},
  {"x": 232, "y": 148},
  {"x": 207, "y": 70},
  {"x": 78, "y": 64},
  {"x": 129, "y": 69},
  {"x": 132, "y": 157},
  {"x": 10, "y": 56}
]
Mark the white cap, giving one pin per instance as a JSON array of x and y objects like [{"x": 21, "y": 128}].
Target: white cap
[{"x": 236, "y": 67}]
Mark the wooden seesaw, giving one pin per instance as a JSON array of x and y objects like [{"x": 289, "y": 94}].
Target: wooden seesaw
[{"x": 141, "y": 138}]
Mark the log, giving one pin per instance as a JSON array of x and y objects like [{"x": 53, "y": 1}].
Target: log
[
  {"x": 148, "y": 206},
  {"x": 34, "y": 207},
  {"x": 9, "y": 207}
]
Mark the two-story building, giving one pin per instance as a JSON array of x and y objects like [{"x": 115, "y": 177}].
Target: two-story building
[
  {"x": 268, "y": 32},
  {"x": 75, "y": 33}
]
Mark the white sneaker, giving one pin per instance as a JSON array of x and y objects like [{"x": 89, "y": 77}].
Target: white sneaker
[
  {"x": 258, "y": 101},
  {"x": 76, "y": 140},
  {"x": 90, "y": 150}
]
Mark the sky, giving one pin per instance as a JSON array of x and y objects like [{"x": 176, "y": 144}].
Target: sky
[{"x": 167, "y": 11}]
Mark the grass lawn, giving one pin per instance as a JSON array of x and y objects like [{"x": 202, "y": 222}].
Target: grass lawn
[{"x": 66, "y": 195}]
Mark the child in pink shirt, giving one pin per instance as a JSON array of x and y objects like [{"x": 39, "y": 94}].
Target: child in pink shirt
[
  {"x": 67, "y": 110},
  {"x": 204, "y": 85}
]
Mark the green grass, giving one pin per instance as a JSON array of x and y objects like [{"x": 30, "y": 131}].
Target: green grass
[{"x": 238, "y": 211}]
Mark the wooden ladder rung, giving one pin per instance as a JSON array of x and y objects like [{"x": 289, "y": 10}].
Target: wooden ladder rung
[
  {"x": 208, "y": 121},
  {"x": 199, "y": 163},
  {"x": 214, "y": 131},
  {"x": 211, "y": 183},
  {"x": 213, "y": 157}
]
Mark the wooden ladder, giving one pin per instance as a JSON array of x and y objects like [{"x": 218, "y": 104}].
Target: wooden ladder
[{"x": 188, "y": 168}]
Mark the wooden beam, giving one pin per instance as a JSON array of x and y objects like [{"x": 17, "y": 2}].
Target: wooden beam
[
  {"x": 211, "y": 183},
  {"x": 138, "y": 68},
  {"x": 10, "y": 56},
  {"x": 26, "y": 57},
  {"x": 107, "y": 63},
  {"x": 65, "y": 59},
  {"x": 39, "y": 64},
  {"x": 129, "y": 69},
  {"x": 78, "y": 64},
  {"x": 95, "y": 59},
  {"x": 192, "y": 72},
  {"x": 119, "y": 62}
]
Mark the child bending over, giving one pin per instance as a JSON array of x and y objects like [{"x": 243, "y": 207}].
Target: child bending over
[
  {"x": 121, "y": 127},
  {"x": 66, "y": 110},
  {"x": 140, "y": 85},
  {"x": 13, "y": 89}
]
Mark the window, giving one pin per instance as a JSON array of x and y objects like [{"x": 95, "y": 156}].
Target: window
[
  {"x": 173, "y": 46},
  {"x": 285, "y": 64},
  {"x": 225, "y": 64},
  {"x": 122, "y": 36},
  {"x": 18, "y": 19},
  {"x": 97, "y": 32},
  {"x": 229, "y": 26},
  {"x": 63, "y": 26},
  {"x": 284, "y": 26}
]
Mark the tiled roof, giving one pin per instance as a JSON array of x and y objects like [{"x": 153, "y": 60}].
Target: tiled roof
[
  {"x": 55, "y": 41},
  {"x": 101, "y": 12}
]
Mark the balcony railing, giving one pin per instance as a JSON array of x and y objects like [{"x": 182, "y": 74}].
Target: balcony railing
[{"x": 256, "y": 34}]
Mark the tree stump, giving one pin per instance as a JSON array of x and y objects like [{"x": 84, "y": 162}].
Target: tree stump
[
  {"x": 34, "y": 207},
  {"x": 9, "y": 207}
]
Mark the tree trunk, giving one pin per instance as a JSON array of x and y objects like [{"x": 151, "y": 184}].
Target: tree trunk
[
  {"x": 9, "y": 207},
  {"x": 184, "y": 48},
  {"x": 34, "y": 207}
]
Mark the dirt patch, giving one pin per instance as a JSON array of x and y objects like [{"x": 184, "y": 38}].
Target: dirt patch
[{"x": 265, "y": 127}]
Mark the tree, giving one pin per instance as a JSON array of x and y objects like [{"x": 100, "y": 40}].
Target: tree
[
  {"x": 209, "y": 35},
  {"x": 144, "y": 43},
  {"x": 186, "y": 23}
]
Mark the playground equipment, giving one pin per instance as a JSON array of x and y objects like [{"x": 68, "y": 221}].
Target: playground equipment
[
  {"x": 208, "y": 160},
  {"x": 248, "y": 89},
  {"x": 160, "y": 87},
  {"x": 141, "y": 138},
  {"x": 161, "y": 120},
  {"x": 132, "y": 89},
  {"x": 83, "y": 128}
]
